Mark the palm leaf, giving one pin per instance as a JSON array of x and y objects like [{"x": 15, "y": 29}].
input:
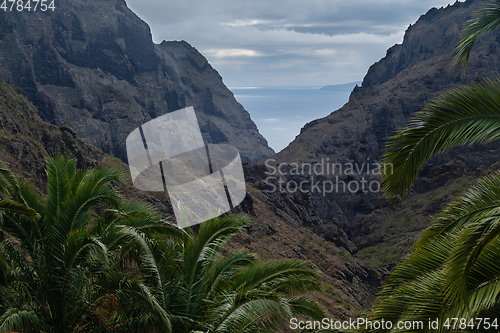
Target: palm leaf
[
  {"x": 241, "y": 318},
  {"x": 17, "y": 208},
  {"x": 464, "y": 210},
  {"x": 19, "y": 320},
  {"x": 306, "y": 307},
  {"x": 483, "y": 21},
  {"x": 225, "y": 269},
  {"x": 454, "y": 270},
  {"x": 8, "y": 182},
  {"x": 281, "y": 276},
  {"x": 459, "y": 117},
  {"x": 473, "y": 244},
  {"x": 201, "y": 250}
]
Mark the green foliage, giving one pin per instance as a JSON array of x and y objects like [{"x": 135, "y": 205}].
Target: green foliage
[
  {"x": 203, "y": 290},
  {"x": 454, "y": 271},
  {"x": 461, "y": 116},
  {"x": 57, "y": 262},
  {"x": 83, "y": 259},
  {"x": 483, "y": 21}
]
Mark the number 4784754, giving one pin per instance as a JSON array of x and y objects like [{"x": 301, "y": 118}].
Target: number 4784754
[{"x": 27, "y": 5}]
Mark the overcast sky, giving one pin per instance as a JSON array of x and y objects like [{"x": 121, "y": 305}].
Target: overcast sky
[{"x": 285, "y": 42}]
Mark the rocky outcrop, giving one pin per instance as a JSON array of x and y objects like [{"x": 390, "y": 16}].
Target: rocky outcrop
[{"x": 94, "y": 66}]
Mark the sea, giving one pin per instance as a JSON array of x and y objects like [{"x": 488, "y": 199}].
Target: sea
[{"x": 280, "y": 112}]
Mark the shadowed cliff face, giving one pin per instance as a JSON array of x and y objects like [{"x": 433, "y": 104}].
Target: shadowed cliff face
[
  {"x": 94, "y": 66},
  {"x": 394, "y": 89}
]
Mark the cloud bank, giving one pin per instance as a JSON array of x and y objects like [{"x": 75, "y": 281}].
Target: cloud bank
[{"x": 285, "y": 42}]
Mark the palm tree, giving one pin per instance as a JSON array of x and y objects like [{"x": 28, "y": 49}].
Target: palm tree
[
  {"x": 55, "y": 259},
  {"x": 204, "y": 290},
  {"x": 454, "y": 271},
  {"x": 9, "y": 187},
  {"x": 82, "y": 259}
]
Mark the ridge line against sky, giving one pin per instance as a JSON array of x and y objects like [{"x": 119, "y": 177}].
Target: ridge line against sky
[{"x": 285, "y": 42}]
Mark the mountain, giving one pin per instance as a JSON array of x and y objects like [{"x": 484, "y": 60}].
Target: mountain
[
  {"x": 397, "y": 86},
  {"x": 410, "y": 75},
  {"x": 93, "y": 65},
  {"x": 66, "y": 64}
]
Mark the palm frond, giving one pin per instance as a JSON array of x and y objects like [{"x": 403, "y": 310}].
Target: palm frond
[
  {"x": 20, "y": 320},
  {"x": 17, "y": 208},
  {"x": 464, "y": 210},
  {"x": 283, "y": 275},
  {"x": 8, "y": 182},
  {"x": 223, "y": 270},
  {"x": 474, "y": 242},
  {"x": 126, "y": 288},
  {"x": 303, "y": 306},
  {"x": 454, "y": 270},
  {"x": 483, "y": 21},
  {"x": 461, "y": 116},
  {"x": 201, "y": 250},
  {"x": 239, "y": 319}
]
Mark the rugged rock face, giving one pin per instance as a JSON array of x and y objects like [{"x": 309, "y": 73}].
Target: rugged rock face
[
  {"x": 397, "y": 86},
  {"x": 94, "y": 66}
]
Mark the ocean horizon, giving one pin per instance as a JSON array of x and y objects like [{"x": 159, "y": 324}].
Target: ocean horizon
[{"x": 280, "y": 112}]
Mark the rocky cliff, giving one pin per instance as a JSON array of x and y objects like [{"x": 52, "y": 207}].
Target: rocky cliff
[
  {"x": 410, "y": 75},
  {"x": 94, "y": 66}
]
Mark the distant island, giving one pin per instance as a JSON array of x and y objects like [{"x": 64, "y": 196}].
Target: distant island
[{"x": 341, "y": 87}]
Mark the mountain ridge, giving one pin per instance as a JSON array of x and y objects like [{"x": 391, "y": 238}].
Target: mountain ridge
[{"x": 94, "y": 66}]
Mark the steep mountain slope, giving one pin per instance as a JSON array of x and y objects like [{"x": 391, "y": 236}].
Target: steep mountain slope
[
  {"x": 410, "y": 75},
  {"x": 94, "y": 66}
]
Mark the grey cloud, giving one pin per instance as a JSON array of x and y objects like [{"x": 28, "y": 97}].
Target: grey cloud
[{"x": 285, "y": 42}]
